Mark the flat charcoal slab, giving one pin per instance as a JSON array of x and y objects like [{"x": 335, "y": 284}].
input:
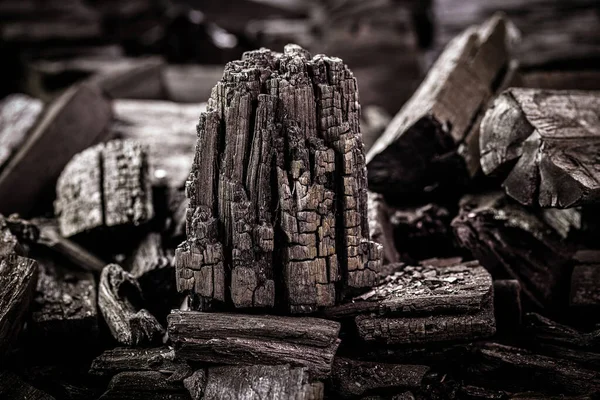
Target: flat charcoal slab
[
  {"x": 254, "y": 382},
  {"x": 436, "y": 286},
  {"x": 104, "y": 186},
  {"x": 511, "y": 242},
  {"x": 65, "y": 302},
  {"x": 553, "y": 136},
  {"x": 419, "y": 147},
  {"x": 428, "y": 328},
  {"x": 254, "y": 339}
]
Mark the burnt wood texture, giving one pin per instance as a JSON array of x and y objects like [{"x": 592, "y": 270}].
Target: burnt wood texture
[
  {"x": 278, "y": 197},
  {"x": 437, "y": 301},
  {"x": 240, "y": 339},
  {"x": 552, "y": 138}
]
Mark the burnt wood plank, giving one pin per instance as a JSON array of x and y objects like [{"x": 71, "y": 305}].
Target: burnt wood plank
[
  {"x": 71, "y": 123},
  {"x": 553, "y": 137},
  {"x": 254, "y": 339},
  {"x": 125, "y": 359}
]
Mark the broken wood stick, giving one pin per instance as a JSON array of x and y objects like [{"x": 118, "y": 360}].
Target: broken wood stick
[
  {"x": 292, "y": 123},
  {"x": 104, "y": 186},
  {"x": 71, "y": 123},
  {"x": 125, "y": 359},
  {"x": 255, "y": 339},
  {"x": 552, "y": 138},
  {"x": 120, "y": 301},
  {"x": 418, "y": 149}
]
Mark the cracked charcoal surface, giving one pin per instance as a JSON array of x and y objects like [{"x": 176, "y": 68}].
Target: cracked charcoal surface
[
  {"x": 104, "y": 186},
  {"x": 278, "y": 187},
  {"x": 553, "y": 139}
]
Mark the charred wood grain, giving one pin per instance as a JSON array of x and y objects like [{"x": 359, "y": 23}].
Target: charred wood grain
[
  {"x": 418, "y": 150},
  {"x": 253, "y": 382},
  {"x": 511, "y": 242},
  {"x": 552, "y": 138},
  {"x": 121, "y": 303},
  {"x": 253, "y": 339},
  {"x": 105, "y": 186},
  {"x": 71, "y": 123},
  {"x": 279, "y": 179},
  {"x": 353, "y": 378}
]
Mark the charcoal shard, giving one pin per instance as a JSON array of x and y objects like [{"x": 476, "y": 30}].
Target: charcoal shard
[{"x": 291, "y": 122}]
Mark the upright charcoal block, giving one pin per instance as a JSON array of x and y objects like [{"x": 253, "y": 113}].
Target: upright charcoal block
[{"x": 278, "y": 190}]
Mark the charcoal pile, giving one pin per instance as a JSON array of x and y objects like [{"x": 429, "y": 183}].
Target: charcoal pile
[{"x": 279, "y": 199}]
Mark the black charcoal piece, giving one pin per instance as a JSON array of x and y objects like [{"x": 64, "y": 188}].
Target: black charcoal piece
[{"x": 240, "y": 339}]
